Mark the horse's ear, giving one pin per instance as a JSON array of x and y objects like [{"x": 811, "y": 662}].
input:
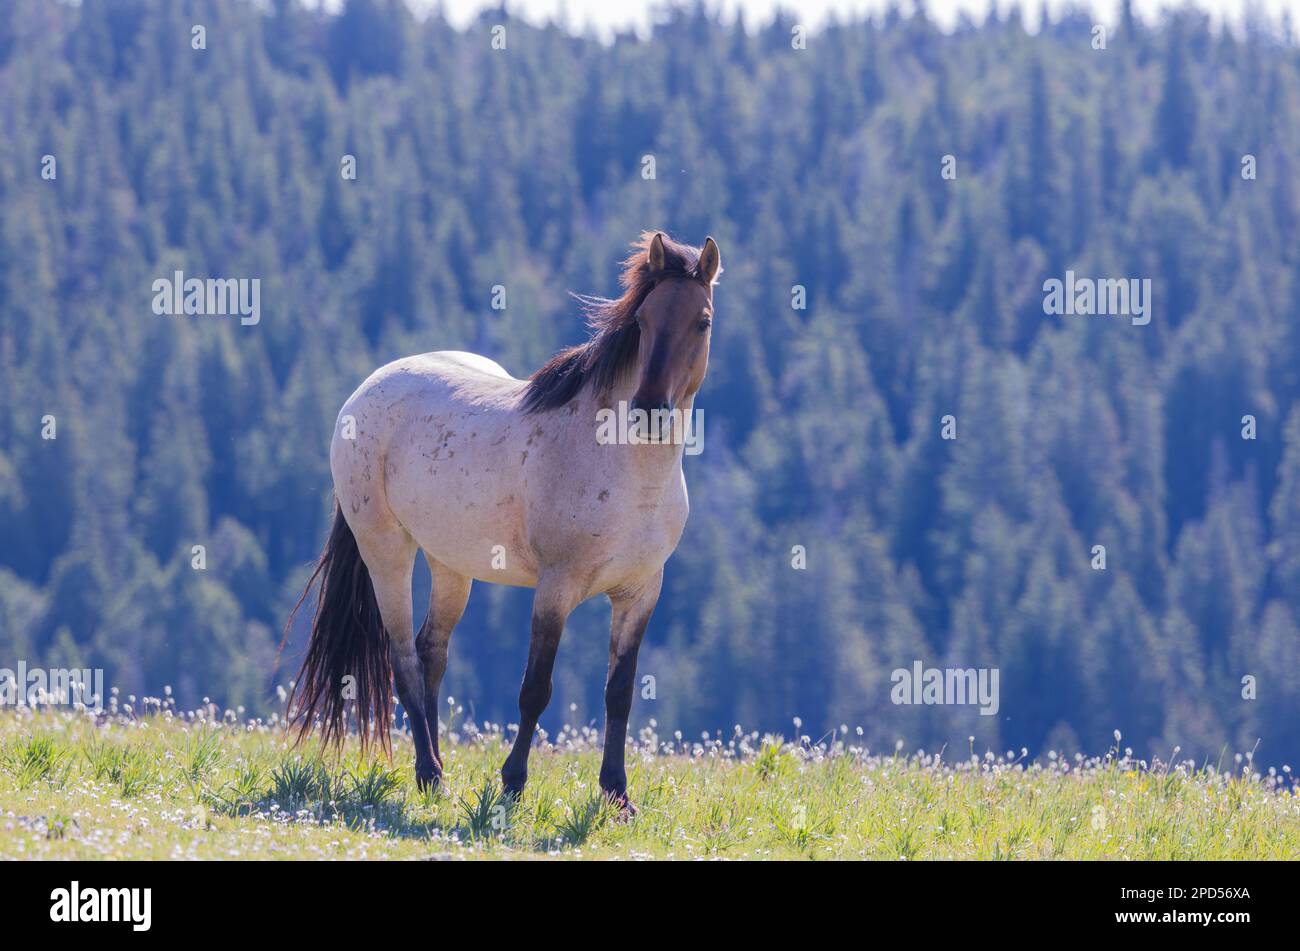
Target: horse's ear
[
  {"x": 710, "y": 261},
  {"x": 656, "y": 252}
]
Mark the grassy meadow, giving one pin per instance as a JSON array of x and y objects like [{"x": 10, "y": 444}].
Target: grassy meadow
[{"x": 171, "y": 785}]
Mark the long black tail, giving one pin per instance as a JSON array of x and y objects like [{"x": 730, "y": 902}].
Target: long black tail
[{"x": 347, "y": 663}]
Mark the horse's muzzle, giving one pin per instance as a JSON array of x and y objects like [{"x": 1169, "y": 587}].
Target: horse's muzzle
[{"x": 656, "y": 424}]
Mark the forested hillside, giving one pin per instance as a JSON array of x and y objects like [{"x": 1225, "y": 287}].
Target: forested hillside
[{"x": 822, "y": 167}]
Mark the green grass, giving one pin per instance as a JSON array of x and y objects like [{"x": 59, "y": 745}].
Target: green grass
[{"x": 169, "y": 786}]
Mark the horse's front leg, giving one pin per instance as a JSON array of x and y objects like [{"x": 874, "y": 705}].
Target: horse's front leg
[
  {"x": 554, "y": 600},
  {"x": 631, "y": 614}
]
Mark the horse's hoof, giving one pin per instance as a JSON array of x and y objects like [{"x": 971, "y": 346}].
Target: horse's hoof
[
  {"x": 626, "y": 810},
  {"x": 427, "y": 782},
  {"x": 512, "y": 784}
]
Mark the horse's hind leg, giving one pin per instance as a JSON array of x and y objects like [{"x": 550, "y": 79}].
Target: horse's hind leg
[
  {"x": 447, "y": 598},
  {"x": 390, "y": 556}
]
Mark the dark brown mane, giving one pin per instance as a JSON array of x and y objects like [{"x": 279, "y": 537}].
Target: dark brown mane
[{"x": 615, "y": 336}]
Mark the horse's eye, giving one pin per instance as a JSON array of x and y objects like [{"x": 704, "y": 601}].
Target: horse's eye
[{"x": 705, "y": 324}]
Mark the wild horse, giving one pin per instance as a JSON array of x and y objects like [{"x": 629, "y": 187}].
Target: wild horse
[{"x": 503, "y": 480}]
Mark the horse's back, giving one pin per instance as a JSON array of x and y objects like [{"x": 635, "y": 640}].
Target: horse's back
[
  {"x": 469, "y": 361},
  {"x": 417, "y": 395},
  {"x": 435, "y": 373}
]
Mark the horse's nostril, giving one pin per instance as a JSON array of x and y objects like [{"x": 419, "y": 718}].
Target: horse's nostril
[{"x": 662, "y": 407}]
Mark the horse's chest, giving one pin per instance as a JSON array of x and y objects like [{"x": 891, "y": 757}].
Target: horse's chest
[{"x": 623, "y": 524}]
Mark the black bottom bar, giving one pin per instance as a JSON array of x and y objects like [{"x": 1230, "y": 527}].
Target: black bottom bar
[{"x": 329, "y": 900}]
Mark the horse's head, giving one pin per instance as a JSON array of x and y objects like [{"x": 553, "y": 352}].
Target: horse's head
[
  {"x": 675, "y": 320},
  {"x": 654, "y": 336}
]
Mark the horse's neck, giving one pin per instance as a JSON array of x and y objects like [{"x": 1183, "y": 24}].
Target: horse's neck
[{"x": 655, "y": 463}]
